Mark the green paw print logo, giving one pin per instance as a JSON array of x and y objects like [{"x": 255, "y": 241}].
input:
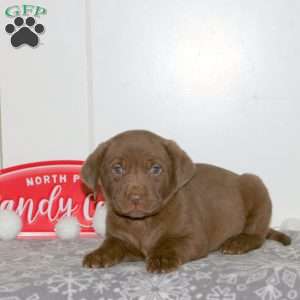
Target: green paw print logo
[{"x": 25, "y": 30}]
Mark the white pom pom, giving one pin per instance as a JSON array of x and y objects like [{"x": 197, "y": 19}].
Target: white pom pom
[
  {"x": 67, "y": 228},
  {"x": 10, "y": 224},
  {"x": 99, "y": 219},
  {"x": 290, "y": 224}
]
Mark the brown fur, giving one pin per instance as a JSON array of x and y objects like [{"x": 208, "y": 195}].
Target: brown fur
[{"x": 178, "y": 215}]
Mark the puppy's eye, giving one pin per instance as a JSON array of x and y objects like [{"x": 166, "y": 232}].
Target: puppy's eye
[
  {"x": 117, "y": 169},
  {"x": 155, "y": 169}
]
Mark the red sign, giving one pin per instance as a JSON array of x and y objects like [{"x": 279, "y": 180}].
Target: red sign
[{"x": 43, "y": 192}]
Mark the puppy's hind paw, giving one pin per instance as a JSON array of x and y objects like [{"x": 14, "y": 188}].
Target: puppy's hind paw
[{"x": 241, "y": 244}]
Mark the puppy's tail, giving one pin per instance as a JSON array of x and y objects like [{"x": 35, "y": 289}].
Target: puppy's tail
[{"x": 279, "y": 237}]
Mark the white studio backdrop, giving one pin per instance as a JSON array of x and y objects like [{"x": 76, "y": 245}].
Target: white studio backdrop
[
  {"x": 221, "y": 77},
  {"x": 44, "y": 89}
]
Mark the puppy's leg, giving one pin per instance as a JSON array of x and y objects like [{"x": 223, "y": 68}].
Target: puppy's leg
[
  {"x": 111, "y": 252},
  {"x": 241, "y": 243},
  {"x": 170, "y": 253},
  {"x": 258, "y": 211}
]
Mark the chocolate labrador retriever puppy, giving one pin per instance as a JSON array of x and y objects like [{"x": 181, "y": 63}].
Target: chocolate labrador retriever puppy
[{"x": 166, "y": 210}]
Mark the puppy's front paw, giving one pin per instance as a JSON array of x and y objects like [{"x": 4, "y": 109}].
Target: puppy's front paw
[
  {"x": 161, "y": 264},
  {"x": 100, "y": 259}
]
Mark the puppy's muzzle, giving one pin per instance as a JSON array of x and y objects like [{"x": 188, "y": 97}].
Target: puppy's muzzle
[{"x": 136, "y": 197}]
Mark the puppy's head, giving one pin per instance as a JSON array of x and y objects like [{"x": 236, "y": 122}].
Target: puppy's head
[{"x": 138, "y": 172}]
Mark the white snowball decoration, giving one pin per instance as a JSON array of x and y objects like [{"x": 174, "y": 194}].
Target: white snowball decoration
[
  {"x": 99, "y": 219},
  {"x": 67, "y": 228},
  {"x": 290, "y": 224},
  {"x": 10, "y": 224}
]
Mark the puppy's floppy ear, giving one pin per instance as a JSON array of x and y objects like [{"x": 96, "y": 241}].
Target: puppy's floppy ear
[
  {"x": 90, "y": 171},
  {"x": 182, "y": 165}
]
